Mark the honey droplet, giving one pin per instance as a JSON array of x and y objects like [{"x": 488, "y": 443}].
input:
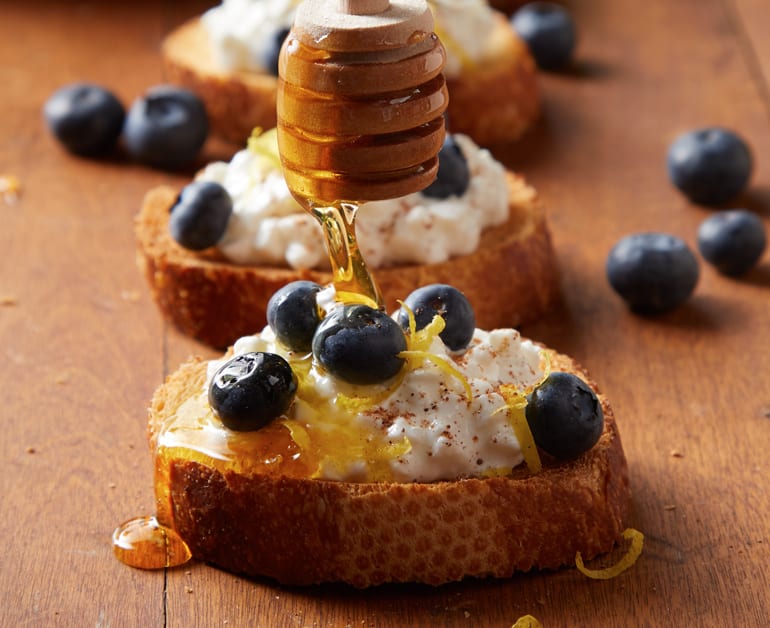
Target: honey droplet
[{"x": 145, "y": 543}]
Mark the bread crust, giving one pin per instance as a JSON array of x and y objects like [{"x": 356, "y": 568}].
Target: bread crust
[
  {"x": 303, "y": 531},
  {"x": 494, "y": 102},
  {"x": 511, "y": 279}
]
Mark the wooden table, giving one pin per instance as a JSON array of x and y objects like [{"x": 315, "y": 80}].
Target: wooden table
[{"x": 83, "y": 346}]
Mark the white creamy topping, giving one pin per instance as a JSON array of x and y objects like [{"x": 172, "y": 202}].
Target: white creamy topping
[
  {"x": 449, "y": 438},
  {"x": 238, "y": 29},
  {"x": 465, "y": 26},
  {"x": 268, "y": 227}
]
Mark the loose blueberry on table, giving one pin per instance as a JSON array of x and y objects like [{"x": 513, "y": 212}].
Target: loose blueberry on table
[
  {"x": 652, "y": 272},
  {"x": 447, "y": 302},
  {"x": 293, "y": 315},
  {"x": 564, "y": 416},
  {"x": 732, "y": 240},
  {"x": 87, "y": 119},
  {"x": 166, "y": 127},
  {"x": 252, "y": 389},
  {"x": 549, "y": 31},
  {"x": 710, "y": 166},
  {"x": 199, "y": 217}
]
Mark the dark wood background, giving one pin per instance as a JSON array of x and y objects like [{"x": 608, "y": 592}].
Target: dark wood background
[{"x": 82, "y": 346}]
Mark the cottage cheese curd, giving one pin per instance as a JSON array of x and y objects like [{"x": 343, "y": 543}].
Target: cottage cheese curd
[
  {"x": 426, "y": 420},
  {"x": 268, "y": 227},
  {"x": 238, "y": 30}
]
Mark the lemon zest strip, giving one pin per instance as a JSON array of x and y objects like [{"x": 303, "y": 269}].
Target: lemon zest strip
[
  {"x": 628, "y": 559},
  {"x": 527, "y": 621},
  {"x": 515, "y": 404}
]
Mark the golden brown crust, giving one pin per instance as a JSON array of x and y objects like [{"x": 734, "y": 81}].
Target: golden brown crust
[
  {"x": 499, "y": 98},
  {"x": 494, "y": 102},
  {"x": 302, "y": 531},
  {"x": 511, "y": 280},
  {"x": 236, "y": 101}
]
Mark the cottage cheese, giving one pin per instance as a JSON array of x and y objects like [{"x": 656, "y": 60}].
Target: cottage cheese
[
  {"x": 238, "y": 30},
  {"x": 268, "y": 227},
  {"x": 447, "y": 437}
]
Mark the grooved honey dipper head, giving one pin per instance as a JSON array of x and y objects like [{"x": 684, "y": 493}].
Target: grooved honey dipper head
[{"x": 361, "y": 100}]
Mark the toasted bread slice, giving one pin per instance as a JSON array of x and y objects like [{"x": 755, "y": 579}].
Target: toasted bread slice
[
  {"x": 511, "y": 279},
  {"x": 305, "y": 531},
  {"x": 494, "y": 101}
]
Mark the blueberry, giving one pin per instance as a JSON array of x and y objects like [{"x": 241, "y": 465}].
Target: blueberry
[
  {"x": 449, "y": 303},
  {"x": 359, "y": 344},
  {"x": 87, "y": 119},
  {"x": 251, "y": 390},
  {"x": 549, "y": 31},
  {"x": 710, "y": 165},
  {"x": 453, "y": 175},
  {"x": 564, "y": 416},
  {"x": 199, "y": 217},
  {"x": 653, "y": 272},
  {"x": 271, "y": 50},
  {"x": 732, "y": 240},
  {"x": 293, "y": 314},
  {"x": 166, "y": 127}
]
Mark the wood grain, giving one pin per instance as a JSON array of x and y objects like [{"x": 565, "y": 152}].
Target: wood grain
[{"x": 83, "y": 347}]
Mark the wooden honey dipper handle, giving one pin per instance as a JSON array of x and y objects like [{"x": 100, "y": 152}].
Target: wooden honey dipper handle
[
  {"x": 363, "y": 121},
  {"x": 360, "y": 26},
  {"x": 363, "y": 7}
]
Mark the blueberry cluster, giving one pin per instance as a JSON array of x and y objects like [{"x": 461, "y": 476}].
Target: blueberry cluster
[
  {"x": 361, "y": 345},
  {"x": 355, "y": 343},
  {"x": 656, "y": 272},
  {"x": 164, "y": 128}
]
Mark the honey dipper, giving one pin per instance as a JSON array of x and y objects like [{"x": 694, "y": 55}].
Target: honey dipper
[{"x": 360, "y": 100}]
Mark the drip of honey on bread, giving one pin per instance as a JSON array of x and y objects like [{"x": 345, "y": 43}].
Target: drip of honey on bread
[{"x": 360, "y": 107}]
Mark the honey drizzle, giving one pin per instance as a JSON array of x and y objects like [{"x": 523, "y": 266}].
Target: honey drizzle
[{"x": 353, "y": 283}]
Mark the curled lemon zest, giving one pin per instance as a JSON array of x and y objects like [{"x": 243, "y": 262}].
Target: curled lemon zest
[
  {"x": 264, "y": 144},
  {"x": 449, "y": 42},
  {"x": 417, "y": 344},
  {"x": 628, "y": 559},
  {"x": 420, "y": 340},
  {"x": 527, "y": 621},
  {"x": 516, "y": 404}
]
